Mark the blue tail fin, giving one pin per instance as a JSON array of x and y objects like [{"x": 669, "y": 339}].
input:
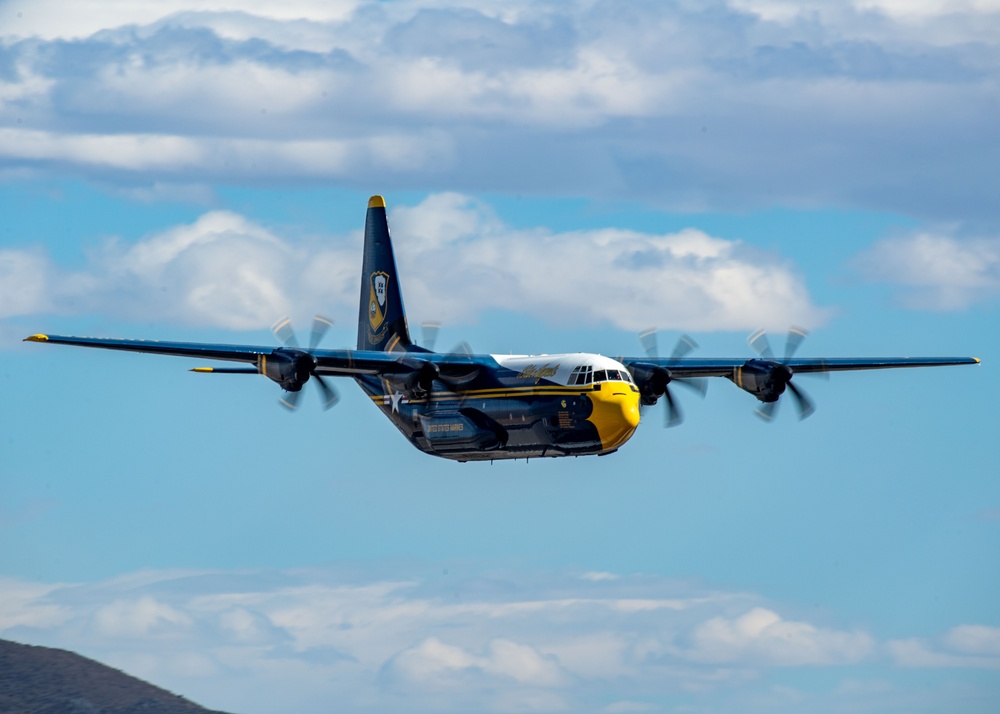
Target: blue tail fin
[{"x": 382, "y": 320}]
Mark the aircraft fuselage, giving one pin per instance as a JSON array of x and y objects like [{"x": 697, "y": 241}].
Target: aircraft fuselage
[{"x": 519, "y": 407}]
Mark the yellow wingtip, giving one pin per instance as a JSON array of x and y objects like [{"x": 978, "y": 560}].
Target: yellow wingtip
[
  {"x": 37, "y": 338},
  {"x": 376, "y": 202},
  {"x": 202, "y": 369},
  {"x": 978, "y": 361}
]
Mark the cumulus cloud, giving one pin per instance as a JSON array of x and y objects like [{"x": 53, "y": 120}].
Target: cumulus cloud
[
  {"x": 936, "y": 270},
  {"x": 762, "y": 635},
  {"x": 225, "y": 270},
  {"x": 269, "y": 640},
  {"x": 436, "y": 665},
  {"x": 874, "y": 103},
  {"x": 453, "y": 245},
  {"x": 371, "y": 644}
]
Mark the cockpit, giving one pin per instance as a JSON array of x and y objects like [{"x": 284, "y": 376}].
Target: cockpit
[{"x": 586, "y": 374}]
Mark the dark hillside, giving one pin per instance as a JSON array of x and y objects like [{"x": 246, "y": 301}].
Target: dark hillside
[{"x": 42, "y": 680}]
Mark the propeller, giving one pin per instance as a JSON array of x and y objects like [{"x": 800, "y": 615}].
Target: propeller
[
  {"x": 302, "y": 363},
  {"x": 781, "y": 373},
  {"x": 430, "y": 332},
  {"x": 660, "y": 378}
]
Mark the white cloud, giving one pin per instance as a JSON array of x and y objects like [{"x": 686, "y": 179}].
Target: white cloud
[
  {"x": 433, "y": 664},
  {"x": 225, "y": 270},
  {"x": 23, "y": 282},
  {"x": 762, "y": 635},
  {"x": 179, "y": 156},
  {"x": 929, "y": 8},
  {"x": 24, "y": 605},
  {"x": 271, "y": 641},
  {"x": 968, "y": 646},
  {"x": 936, "y": 271},
  {"x": 142, "y": 617},
  {"x": 875, "y": 104},
  {"x": 918, "y": 653},
  {"x": 687, "y": 280},
  {"x": 974, "y": 640},
  {"x": 52, "y": 19}
]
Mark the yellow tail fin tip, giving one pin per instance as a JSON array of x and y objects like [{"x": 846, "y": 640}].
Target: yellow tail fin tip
[{"x": 376, "y": 202}]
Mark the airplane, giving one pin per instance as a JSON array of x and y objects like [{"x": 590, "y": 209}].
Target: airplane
[{"x": 468, "y": 407}]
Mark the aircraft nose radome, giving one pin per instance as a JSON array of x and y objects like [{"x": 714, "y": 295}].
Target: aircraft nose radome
[{"x": 615, "y": 414}]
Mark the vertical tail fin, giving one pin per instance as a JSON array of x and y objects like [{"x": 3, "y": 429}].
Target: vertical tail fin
[{"x": 382, "y": 319}]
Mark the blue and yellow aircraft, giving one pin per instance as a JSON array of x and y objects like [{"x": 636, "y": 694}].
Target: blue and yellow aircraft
[{"x": 484, "y": 407}]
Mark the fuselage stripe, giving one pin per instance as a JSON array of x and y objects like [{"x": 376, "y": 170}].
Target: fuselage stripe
[{"x": 496, "y": 393}]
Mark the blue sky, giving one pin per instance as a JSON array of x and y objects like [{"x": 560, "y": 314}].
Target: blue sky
[{"x": 559, "y": 176}]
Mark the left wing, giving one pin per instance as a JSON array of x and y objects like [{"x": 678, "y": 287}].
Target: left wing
[
  {"x": 691, "y": 368},
  {"x": 765, "y": 377}
]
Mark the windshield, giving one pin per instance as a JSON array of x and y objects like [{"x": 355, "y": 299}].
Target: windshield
[{"x": 585, "y": 374}]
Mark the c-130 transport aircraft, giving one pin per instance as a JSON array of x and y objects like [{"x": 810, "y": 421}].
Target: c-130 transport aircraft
[{"x": 483, "y": 407}]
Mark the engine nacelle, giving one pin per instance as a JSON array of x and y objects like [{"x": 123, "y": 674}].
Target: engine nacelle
[
  {"x": 419, "y": 381},
  {"x": 765, "y": 379},
  {"x": 652, "y": 381},
  {"x": 289, "y": 368}
]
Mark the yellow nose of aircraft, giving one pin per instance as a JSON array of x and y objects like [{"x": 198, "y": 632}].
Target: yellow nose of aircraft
[{"x": 616, "y": 413}]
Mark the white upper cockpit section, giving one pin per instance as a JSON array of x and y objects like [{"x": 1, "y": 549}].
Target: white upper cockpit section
[{"x": 578, "y": 369}]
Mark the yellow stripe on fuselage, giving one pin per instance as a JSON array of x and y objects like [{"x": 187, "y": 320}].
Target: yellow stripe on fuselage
[{"x": 499, "y": 393}]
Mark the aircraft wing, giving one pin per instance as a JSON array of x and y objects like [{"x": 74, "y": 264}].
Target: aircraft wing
[
  {"x": 328, "y": 362},
  {"x": 691, "y": 368}
]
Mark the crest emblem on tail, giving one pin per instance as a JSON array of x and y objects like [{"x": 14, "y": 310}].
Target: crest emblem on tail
[{"x": 376, "y": 300}]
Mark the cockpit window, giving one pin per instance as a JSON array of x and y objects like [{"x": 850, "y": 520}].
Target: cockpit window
[
  {"x": 613, "y": 375},
  {"x": 585, "y": 374}
]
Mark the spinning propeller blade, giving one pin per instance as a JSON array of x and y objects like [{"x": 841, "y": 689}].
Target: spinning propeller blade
[
  {"x": 685, "y": 345},
  {"x": 759, "y": 343},
  {"x": 330, "y": 395},
  {"x": 285, "y": 334},
  {"x": 319, "y": 327},
  {"x": 282, "y": 330},
  {"x": 430, "y": 331}
]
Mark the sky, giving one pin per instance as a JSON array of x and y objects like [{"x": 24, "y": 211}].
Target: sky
[{"x": 559, "y": 177}]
